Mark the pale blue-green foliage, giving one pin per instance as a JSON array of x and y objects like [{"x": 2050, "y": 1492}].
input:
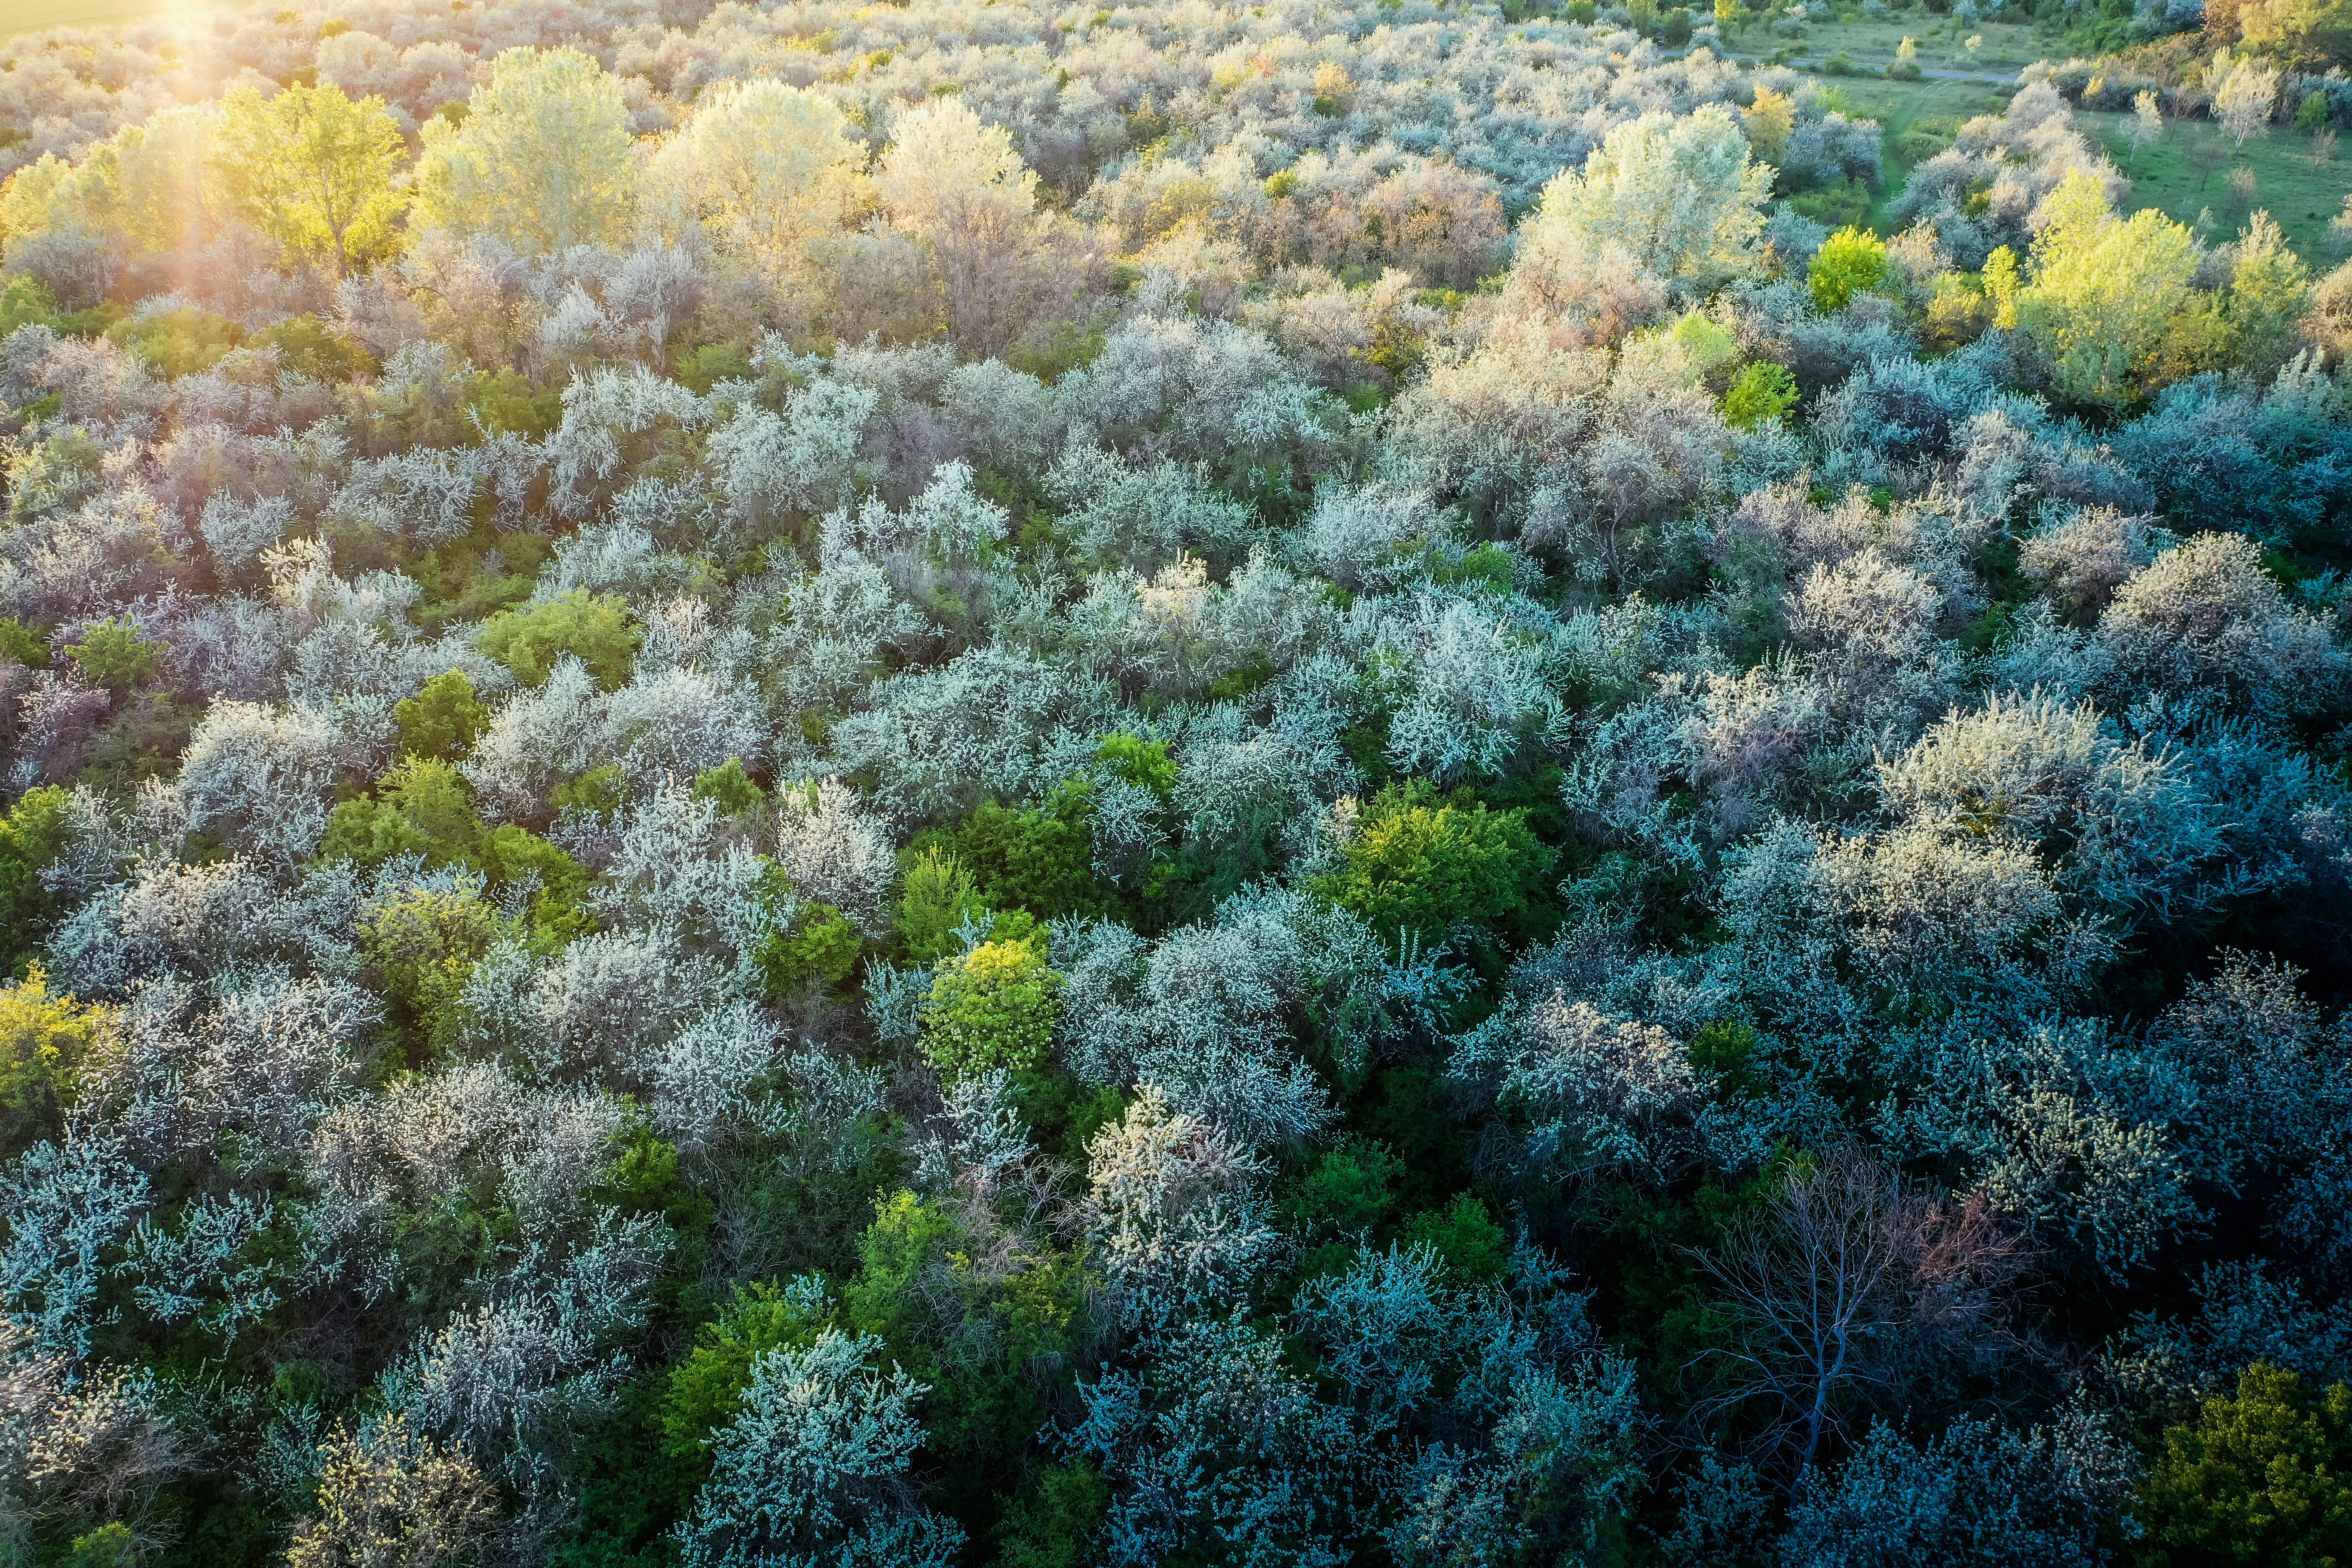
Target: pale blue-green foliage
[
  {"x": 1203, "y": 1012},
  {"x": 2246, "y": 1313},
  {"x": 1896, "y": 830},
  {"x": 1594, "y": 1093},
  {"x": 1979, "y": 1493},
  {"x": 1141, "y": 517},
  {"x": 1451, "y": 1422},
  {"x": 802, "y": 1476},
  {"x": 805, "y": 458},
  {"x": 1215, "y": 1444},
  {"x": 68, "y": 1206}
]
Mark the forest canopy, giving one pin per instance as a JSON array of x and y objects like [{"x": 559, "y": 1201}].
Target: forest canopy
[{"x": 1388, "y": 783}]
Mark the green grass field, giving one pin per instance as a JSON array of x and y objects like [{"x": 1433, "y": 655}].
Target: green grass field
[
  {"x": 32, "y": 16},
  {"x": 1942, "y": 43},
  {"x": 2185, "y": 174},
  {"x": 2186, "y": 171}
]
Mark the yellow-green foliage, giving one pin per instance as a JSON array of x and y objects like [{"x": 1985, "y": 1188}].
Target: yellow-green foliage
[
  {"x": 309, "y": 347},
  {"x": 594, "y": 629},
  {"x": 32, "y": 835},
  {"x": 313, "y": 170},
  {"x": 820, "y": 948},
  {"x": 1421, "y": 866},
  {"x": 421, "y": 946},
  {"x": 1850, "y": 262},
  {"x": 113, "y": 654},
  {"x": 2263, "y": 1477},
  {"x": 978, "y": 1336},
  {"x": 2104, "y": 289},
  {"x": 936, "y": 899},
  {"x": 991, "y": 1007},
  {"x": 1761, "y": 393},
  {"x": 727, "y": 787},
  {"x": 706, "y": 1388},
  {"x": 45, "y": 1039},
  {"x": 178, "y": 343},
  {"x": 512, "y": 854}
]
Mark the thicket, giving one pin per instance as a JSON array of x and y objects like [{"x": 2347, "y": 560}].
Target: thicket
[{"x": 932, "y": 785}]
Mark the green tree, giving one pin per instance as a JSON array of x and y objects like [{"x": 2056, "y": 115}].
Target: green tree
[
  {"x": 443, "y": 719},
  {"x": 2269, "y": 288},
  {"x": 312, "y": 348},
  {"x": 1465, "y": 1238},
  {"x": 730, "y": 788},
  {"x": 991, "y": 1340},
  {"x": 111, "y": 654},
  {"x": 936, "y": 898},
  {"x": 313, "y": 171},
  {"x": 1052, "y": 1523},
  {"x": 762, "y": 167},
  {"x": 594, "y": 629},
  {"x": 422, "y": 945},
  {"x": 706, "y": 1388},
  {"x": 2264, "y": 1477},
  {"x": 1850, "y": 262},
  {"x": 991, "y": 1007},
  {"x": 821, "y": 946},
  {"x": 558, "y": 907},
  {"x": 45, "y": 1039},
  {"x": 31, "y": 836},
  {"x": 542, "y": 158},
  {"x": 1040, "y": 859},
  {"x": 2103, "y": 289},
  {"x": 1761, "y": 393},
  {"x": 1421, "y": 866},
  {"x": 422, "y": 807}
]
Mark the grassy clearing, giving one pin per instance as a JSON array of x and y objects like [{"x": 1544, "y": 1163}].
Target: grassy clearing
[
  {"x": 32, "y": 16},
  {"x": 2186, "y": 173},
  {"x": 1870, "y": 45}
]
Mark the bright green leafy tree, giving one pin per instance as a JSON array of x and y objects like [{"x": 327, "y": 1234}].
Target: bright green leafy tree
[{"x": 314, "y": 170}]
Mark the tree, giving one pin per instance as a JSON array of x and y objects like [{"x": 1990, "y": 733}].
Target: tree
[
  {"x": 2263, "y": 1477},
  {"x": 1678, "y": 192},
  {"x": 2311, "y": 36},
  {"x": 2243, "y": 98},
  {"x": 313, "y": 170},
  {"x": 1422, "y": 867},
  {"x": 961, "y": 187},
  {"x": 1761, "y": 393},
  {"x": 541, "y": 161},
  {"x": 421, "y": 807},
  {"x": 707, "y": 1388},
  {"x": 937, "y": 897},
  {"x": 2147, "y": 123},
  {"x": 389, "y": 1498},
  {"x": 1837, "y": 1289},
  {"x": 806, "y": 1473},
  {"x": 45, "y": 1039},
  {"x": 594, "y": 629},
  {"x": 991, "y": 1007},
  {"x": 1980, "y": 1496},
  {"x": 2207, "y": 623},
  {"x": 1850, "y": 262},
  {"x": 443, "y": 719},
  {"x": 33, "y": 833},
  {"x": 1769, "y": 119},
  {"x": 764, "y": 168},
  {"x": 2104, "y": 289}
]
